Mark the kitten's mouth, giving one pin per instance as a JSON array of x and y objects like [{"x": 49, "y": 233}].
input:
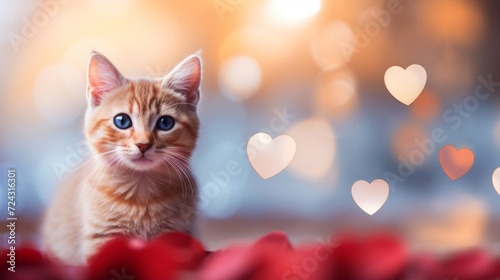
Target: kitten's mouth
[
  {"x": 142, "y": 159},
  {"x": 141, "y": 163}
]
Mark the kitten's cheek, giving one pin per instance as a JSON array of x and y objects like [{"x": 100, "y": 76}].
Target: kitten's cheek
[{"x": 113, "y": 158}]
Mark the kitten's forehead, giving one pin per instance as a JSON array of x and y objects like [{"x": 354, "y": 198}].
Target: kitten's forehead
[{"x": 148, "y": 96}]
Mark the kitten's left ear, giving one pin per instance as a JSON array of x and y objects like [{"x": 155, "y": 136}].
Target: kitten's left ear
[
  {"x": 102, "y": 78},
  {"x": 186, "y": 78}
]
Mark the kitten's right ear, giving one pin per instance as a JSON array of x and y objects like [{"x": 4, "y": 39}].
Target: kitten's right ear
[
  {"x": 185, "y": 78},
  {"x": 102, "y": 77}
]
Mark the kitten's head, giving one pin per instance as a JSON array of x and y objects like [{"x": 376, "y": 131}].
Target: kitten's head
[{"x": 142, "y": 124}]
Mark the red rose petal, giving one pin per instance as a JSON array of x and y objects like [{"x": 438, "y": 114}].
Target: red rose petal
[
  {"x": 259, "y": 261},
  {"x": 496, "y": 269},
  {"x": 474, "y": 264},
  {"x": 228, "y": 264},
  {"x": 122, "y": 258},
  {"x": 422, "y": 267},
  {"x": 188, "y": 252},
  {"x": 307, "y": 262},
  {"x": 270, "y": 257},
  {"x": 23, "y": 256},
  {"x": 277, "y": 239},
  {"x": 30, "y": 264},
  {"x": 381, "y": 256}
]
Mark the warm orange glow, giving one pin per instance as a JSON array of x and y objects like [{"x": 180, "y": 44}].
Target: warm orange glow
[
  {"x": 113, "y": 8},
  {"x": 331, "y": 45},
  {"x": 240, "y": 77},
  {"x": 460, "y": 21},
  {"x": 453, "y": 72},
  {"x": 284, "y": 67},
  {"x": 288, "y": 12},
  {"x": 57, "y": 94},
  {"x": 336, "y": 93},
  {"x": 404, "y": 139},
  {"x": 427, "y": 106},
  {"x": 455, "y": 225},
  {"x": 315, "y": 148},
  {"x": 265, "y": 45}
]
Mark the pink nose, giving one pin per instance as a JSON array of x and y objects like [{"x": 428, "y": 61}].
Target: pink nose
[{"x": 143, "y": 147}]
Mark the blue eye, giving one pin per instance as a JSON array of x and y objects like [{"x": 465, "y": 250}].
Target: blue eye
[
  {"x": 165, "y": 123},
  {"x": 122, "y": 121}
]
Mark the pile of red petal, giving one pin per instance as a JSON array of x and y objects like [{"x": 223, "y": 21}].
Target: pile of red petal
[{"x": 179, "y": 256}]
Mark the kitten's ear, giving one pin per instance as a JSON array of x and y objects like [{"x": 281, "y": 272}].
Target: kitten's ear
[
  {"x": 186, "y": 78},
  {"x": 102, "y": 77}
]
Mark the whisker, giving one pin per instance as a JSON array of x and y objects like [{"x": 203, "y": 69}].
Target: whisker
[{"x": 184, "y": 169}]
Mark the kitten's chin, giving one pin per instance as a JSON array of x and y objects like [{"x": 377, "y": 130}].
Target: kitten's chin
[{"x": 142, "y": 164}]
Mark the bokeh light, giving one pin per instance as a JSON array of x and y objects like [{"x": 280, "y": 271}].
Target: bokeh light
[
  {"x": 427, "y": 106},
  {"x": 316, "y": 148},
  {"x": 333, "y": 45},
  {"x": 405, "y": 140},
  {"x": 113, "y": 8},
  {"x": 310, "y": 69},
  {"x": 453, "y": 72},
  {"x": 60, "y": 94},
  {"x": 78, "y": 53},
  {"x": 220, "y": 190},
  {"x": 240, "y": 77},
  {"x": 292, "y": 11},
  {"x": 264, "y": 44},
  {"x": 459, "y": 224},
  {"x": 454, "y": 21},
  {"x": 336, "y": 93}
]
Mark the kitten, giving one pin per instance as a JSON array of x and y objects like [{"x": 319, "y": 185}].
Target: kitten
[{"x": 138, "y": 181}]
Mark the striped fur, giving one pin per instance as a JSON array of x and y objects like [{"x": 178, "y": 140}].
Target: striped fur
[{"x": 111, "y": 194}]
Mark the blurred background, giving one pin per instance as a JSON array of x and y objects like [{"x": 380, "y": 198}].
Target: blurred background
[{"x": 311, "y": 69}]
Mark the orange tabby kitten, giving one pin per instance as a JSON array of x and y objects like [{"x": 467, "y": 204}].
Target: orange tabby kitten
[{"x": 138, "y": 181}]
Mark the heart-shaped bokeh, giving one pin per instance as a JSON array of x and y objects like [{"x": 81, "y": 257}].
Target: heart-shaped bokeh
[
  {"x": 405, "y": 84},
  {"x": 270, "y": 156},
  {"x": 455, "y": 163},
  {"x": 495, "y": 178},
  {"x": 370, "y": 197}
]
